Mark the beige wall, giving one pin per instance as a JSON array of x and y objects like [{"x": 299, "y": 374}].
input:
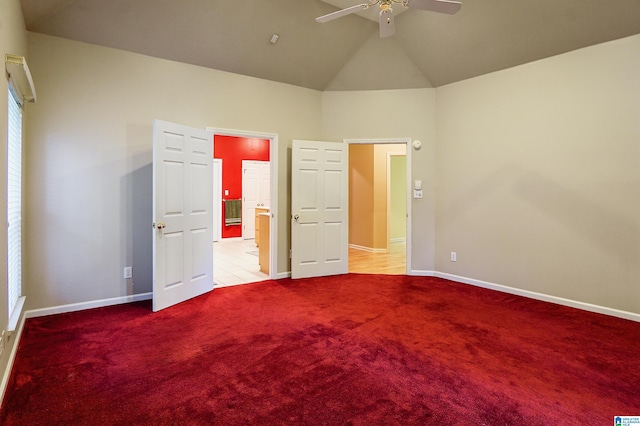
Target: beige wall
[
  {"x": 539, "y": 178},
  {"x": 535, "y": 165},
  {"x": 388, "y": 114},
  {"x": 13, "y": 40},
  {"x": 88, "y": 178},
  {"x": 381, "y": 220},
  {"x": 361, "y": 172},
  {"x": 398, "y": 198},
  {"x": 369, "y": 221}
]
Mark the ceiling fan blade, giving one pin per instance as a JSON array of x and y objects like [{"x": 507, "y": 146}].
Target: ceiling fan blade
[
  {"x": 387, "y": 26},
  {"x": 340, "y": 13},
  {"x": 450, "y": 7}
]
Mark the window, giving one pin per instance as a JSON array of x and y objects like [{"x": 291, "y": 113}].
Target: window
[{"x": 14, "y": 207}]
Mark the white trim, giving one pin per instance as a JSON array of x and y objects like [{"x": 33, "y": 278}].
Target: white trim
[
  {"x": 20, "y": 77},
  {"x": 543, "y": 297},
  {"x": 282, "y": 275},
  {"x": 368, "y": 249},
  {"x": 217, "y": 198},
  {"x": 379, "y": 141},
  {"x": 15, "y": 314},
  {"x": 409, "y": 154},
  {"x": 422, "y": 273},
  {"x": 273, "y": 158},
  {"x": 61, "y": 309},
  {"x": 398, "y": 240},
  {"x": 12, "y": 356}
]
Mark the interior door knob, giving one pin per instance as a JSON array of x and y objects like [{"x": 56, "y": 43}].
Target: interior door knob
[{"x": 296, "y": 217}]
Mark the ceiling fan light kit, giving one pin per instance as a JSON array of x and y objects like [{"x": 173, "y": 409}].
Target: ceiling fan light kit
[{"x": 387, "y": 26}]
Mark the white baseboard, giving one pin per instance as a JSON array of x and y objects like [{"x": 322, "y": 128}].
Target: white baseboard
[
  {"x": 421, "y": 273},
  {"x": 33, "y": 313},
  {"x": 12, "y": 356},
  {"x": 519, "y": 292},
  {"x": 543, "y": 297},
  {"x": 368, "y": 249},
  {"x": 398, "y": 240},
  {"x": 281, "y": 275}
]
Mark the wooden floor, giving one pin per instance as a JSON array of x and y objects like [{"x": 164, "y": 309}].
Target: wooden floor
[{"x": 392, "y": 263}]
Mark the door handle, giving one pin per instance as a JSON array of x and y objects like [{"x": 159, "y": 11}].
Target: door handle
[
  {"x": 296, "y": 217},
  {"x": 160, "y": 226}
]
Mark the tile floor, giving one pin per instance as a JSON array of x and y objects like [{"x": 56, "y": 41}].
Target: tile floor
[{"x": 235, "y": 261}]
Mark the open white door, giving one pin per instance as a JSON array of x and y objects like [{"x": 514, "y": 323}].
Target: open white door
[
  {"x": 182, "y": 213},
  {"x": 319, "y": 209},
  {"x": 256, "y": 189}
]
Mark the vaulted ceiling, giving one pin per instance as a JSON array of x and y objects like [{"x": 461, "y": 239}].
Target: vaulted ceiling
[{"x": 428, "y": 49}]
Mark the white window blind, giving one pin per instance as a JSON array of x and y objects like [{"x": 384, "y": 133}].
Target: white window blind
[{"x": 14, "y": 203}]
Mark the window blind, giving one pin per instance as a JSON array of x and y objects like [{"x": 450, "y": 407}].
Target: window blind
[{"x": 14, "y": 203}]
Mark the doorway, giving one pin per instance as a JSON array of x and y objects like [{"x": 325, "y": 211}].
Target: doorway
[
  {"x": 379, "y": 206},
  {"x": 236, "y": 259}
]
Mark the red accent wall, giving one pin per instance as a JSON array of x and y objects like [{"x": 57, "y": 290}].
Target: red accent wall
[{"x": 232, "y": 150}]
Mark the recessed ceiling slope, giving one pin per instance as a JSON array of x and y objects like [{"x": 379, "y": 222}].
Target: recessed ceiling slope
[{"x": 233, "y": 36}]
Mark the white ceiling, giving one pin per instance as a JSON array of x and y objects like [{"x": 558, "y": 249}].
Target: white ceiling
[{"x": 428, "y": 49}]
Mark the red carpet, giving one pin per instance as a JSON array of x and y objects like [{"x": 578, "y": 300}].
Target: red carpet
[{"x": 354, "y": 349}]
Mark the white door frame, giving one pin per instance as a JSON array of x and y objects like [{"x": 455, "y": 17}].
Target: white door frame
[
  {"x": 217, "y": 199},
  {"x": 408, "y": 150},
  {"x": 273, "y": 158}
]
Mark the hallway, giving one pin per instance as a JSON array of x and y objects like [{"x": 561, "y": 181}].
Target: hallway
[{"x": 392, "y": 263}]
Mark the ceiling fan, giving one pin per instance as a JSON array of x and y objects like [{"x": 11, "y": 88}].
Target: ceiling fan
[{"x": 387, "y": 27}]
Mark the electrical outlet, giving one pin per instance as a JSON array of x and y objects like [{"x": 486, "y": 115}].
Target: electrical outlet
[
  {"x": 128, "y": 271},
  {"x": 454, "y": 256}
]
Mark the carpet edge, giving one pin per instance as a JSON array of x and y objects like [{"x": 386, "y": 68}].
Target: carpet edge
[{"x": 542, "y": 297}]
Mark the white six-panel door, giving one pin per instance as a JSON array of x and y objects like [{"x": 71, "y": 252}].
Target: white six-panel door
[
  {"x": 182, "y": 213},
  {"x": 319, "y": 209},
  {"x": 256, "y": 192}
]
